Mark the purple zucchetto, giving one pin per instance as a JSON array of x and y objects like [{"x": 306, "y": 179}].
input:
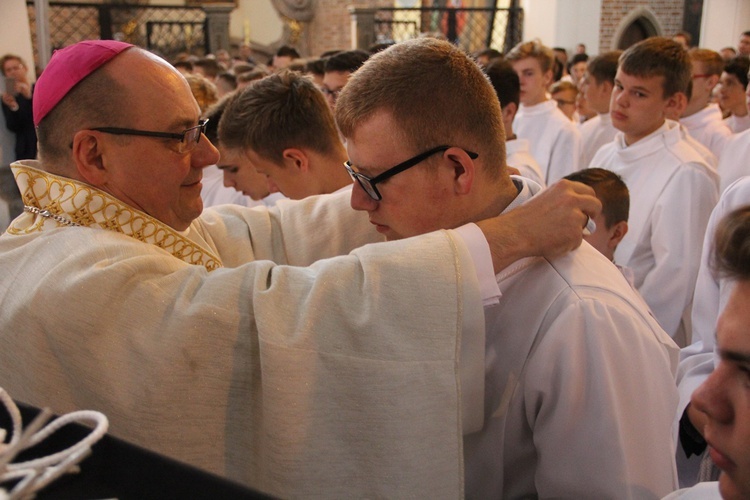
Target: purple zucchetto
[{"x": 67, "y": 68}]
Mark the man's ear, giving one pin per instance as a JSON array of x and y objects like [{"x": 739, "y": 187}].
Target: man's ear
[
  {"x": 87, "y": 155},
  {"x": 464, "y": 169},
  {"x": 677, "y": 102},
  {"x": 509, "y": 112},
  {"x": 713, "y": 80},
  {"x": 617, "y": 233},
  {"x": 548, "y": 76},
  {"x": 297, "y": 158}
]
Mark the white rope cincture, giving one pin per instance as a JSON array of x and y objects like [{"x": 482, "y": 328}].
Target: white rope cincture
[{"x": 33, "y": 475}]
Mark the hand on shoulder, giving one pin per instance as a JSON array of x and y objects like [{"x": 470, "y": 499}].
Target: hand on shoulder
[{"x": 549, "y": 225}]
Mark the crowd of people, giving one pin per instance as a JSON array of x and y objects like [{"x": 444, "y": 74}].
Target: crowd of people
[{"x": 363, "y": 274}]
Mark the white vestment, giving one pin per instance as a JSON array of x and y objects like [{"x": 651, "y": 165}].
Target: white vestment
[
  {"x": 708, "y": 157},
  {"x": 738, "y": 124},
  {"x": 701, "y": 491},
  {"x": 707, "y": 127},
  {"x": 672, "y": 193},
  {"x": 554, "y": 140},
  {"x": 735, "y": 162},
  {"x": 595, "y": 133},
  {"x": 519, "y": 156},
  {"x": 579, "y": 388},
  {"x": 711, "y": 296},
  {"x": 341, "y": 379}
]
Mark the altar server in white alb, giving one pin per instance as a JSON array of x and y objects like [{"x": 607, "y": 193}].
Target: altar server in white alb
[
  {"x": 507, "y": 87},
  {"x": 554, "y": 139},
  {"x": 697, "y": 361},
  {"x": 721, "y": 402},
  {"x": 735, "y": 162},
  {"x": 579, "y": 395},
  {"x": 196, "y": 334},
  {"x": 672, "y": 190},
  {"x": 702, "y": 119},
  {"x": 597, "y": 87},
  {"x": 732, "y": 87}
]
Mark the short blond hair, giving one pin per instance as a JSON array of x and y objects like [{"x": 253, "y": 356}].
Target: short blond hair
[
  {"x": 203, "y": 90},
  {"x": 534, "y": 49},
  {"x": 281, "y": 111},
  {"x": 712, "y": 62},
  {"x": 562, "y": 86},
  {"x": 436, "y": 94}
]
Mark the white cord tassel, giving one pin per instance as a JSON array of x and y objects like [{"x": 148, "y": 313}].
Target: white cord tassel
[{"x": 33, "y": 475}]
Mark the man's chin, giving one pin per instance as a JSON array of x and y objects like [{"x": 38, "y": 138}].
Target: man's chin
[{"x": 730, "y": 490}]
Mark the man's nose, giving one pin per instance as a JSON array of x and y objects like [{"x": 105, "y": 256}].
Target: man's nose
[
  {"x": 360, "y": 200},
  {"x": 205, "y": 153}
]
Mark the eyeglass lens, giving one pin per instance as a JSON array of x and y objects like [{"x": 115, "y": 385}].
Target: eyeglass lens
[{"x": 192, "y": 137}]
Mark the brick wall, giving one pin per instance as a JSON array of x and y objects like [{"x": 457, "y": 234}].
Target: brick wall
[
  {"x": 668, "y": 14},
  {"x": 331, "y": 27}
]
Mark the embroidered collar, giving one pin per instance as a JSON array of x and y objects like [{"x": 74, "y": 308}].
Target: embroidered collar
[{"x": 52, "y": 199}]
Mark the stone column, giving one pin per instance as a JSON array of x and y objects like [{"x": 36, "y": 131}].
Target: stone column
[
  {"x": 363, "y": 27},
  {"x": 217, "y": 25}
]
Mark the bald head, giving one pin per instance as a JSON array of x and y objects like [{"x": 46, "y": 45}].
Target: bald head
[
  {"x": 116, "y": 94},
  {"x": 131, "y": 129}
]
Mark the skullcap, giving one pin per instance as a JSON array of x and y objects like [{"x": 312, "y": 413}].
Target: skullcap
[{"x": 67, "y": 68}]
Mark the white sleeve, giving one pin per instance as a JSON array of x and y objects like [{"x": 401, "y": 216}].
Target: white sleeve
[{"x": 479, "y": 249}]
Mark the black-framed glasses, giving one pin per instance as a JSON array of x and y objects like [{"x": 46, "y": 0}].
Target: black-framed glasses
[
  {"x": 368, "y": 184},
  {"x": 189, "y": 138}
]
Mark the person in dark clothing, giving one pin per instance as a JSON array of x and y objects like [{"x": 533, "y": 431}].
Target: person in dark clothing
[{"x": 16, "y": 105}]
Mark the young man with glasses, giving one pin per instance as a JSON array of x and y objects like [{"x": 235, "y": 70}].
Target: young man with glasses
[
  {"x": 701, "y": 118},
  {"x": 572, "y": 357},
  {"x": 202, "y": 336}
]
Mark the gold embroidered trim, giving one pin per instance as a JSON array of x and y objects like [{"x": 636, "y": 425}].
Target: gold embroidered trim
[{"x": 87, "y": 206}]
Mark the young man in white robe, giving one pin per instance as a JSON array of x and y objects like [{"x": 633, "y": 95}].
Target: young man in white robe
[
  {"x": 284, "y": 127},
  {"x": 734, "y": 163},
  {"x": 507, "y": 87},
  {"x": 612, "y": 223},
  {"x": 234, "y": 179},
  {"x": 672, "y": 189},
  {"x": 702, "y": 119},
  {"x": 720, "y": 406},
  {"x": 554, "y": 140},
  {"x": 697, "y": 361},
  {"x": 732, "y": 86},
  {"x": 597, "y": 88},
  {"x": 572, "y": 354},
  {"x": 197, "y": 335}
]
